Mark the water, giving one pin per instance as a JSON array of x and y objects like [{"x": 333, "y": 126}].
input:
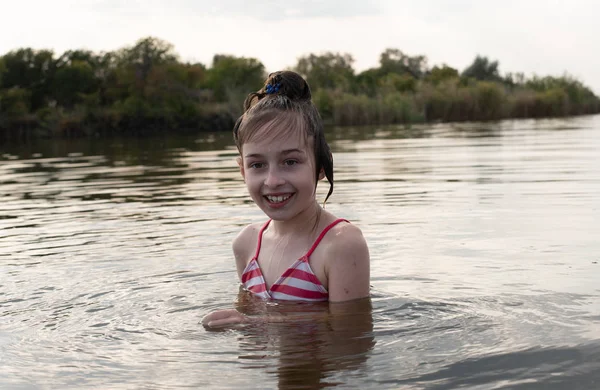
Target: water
[{"x": 483, "y": 238}]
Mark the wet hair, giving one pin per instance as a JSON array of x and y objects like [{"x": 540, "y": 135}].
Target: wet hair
[{"x": 283, "y": 105}]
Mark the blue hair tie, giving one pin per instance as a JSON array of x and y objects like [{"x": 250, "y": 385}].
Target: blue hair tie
[{"x": 270, "y": 89}]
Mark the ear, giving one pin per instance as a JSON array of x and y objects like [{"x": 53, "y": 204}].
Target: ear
[
  {"x": 241, "y": 165},
  {"x": 321, "y": 174}
]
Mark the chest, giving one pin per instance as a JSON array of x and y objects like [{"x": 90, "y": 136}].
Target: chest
[{"x": 277, "y": 256}]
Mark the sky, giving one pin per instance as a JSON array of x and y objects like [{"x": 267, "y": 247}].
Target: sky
[{"x": 542, "y": 37}]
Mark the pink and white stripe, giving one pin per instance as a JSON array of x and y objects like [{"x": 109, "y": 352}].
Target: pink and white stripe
[
  {"x": 253, "y": 280},
  {"x": 298, "y": 282}
]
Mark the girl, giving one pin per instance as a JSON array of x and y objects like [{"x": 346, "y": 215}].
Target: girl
[{"x": 303, "y": 252}]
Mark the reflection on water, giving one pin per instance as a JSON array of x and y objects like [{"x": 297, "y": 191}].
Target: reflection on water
[
  {"x": 484, "y": 251},
  {"x": 304, "y": 345}
]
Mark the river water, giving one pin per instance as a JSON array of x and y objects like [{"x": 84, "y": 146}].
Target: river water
[{"x": 485, "y": 263}]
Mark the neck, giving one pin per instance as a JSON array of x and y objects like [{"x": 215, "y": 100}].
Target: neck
[{"x": 306, "y": 221}]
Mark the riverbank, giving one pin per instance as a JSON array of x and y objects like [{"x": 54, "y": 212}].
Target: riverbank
[
  {"x": 452, "y": 102},
  {"x": 145, "y": 90},
  {"x": 449, "y": 102}
]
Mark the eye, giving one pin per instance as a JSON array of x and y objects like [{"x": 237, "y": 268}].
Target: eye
[
  {"x": 290, "y": 162},
  {"x": 256, "y": 165}
]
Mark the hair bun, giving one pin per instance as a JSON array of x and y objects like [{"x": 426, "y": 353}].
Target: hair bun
[
  {"x": 282, "y": 83},
  {"x": 289, "y": 84}
]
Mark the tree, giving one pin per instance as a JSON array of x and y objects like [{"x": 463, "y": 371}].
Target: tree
[
  {"x": 15, "y": 102},
  {"x": 514, "y": 79},
  {"x": 31, "y": 70},
  {"x": 439, "y": 74},
  {"x": 196, "y": 75},
  {"x": 76, "y": 75},
  {"x": 482, "y": 69},
  {"x": 368, "y": 81},
  {"x": 328, "y": 70},
  {"x": 2, "y": 69},
  {"x": 398, "y": 83},
  {"x": 230, "y": 76},
  {"x": 109, "y": 90},
  {"x": 72, "y": 81},
  {"x": 145, "y": 54},
  {"x": 70, "y": 56},
  {"x": 395, "y": 61}
]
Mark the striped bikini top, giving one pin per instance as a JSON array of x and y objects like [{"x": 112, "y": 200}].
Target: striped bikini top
[{"x": 297, "y": 283}]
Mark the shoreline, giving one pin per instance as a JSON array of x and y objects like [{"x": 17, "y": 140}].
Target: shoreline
[{"x": 29, "y": 130}]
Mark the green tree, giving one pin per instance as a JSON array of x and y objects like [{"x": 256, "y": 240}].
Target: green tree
[
  {"x": 395, "y": 61},
  {"x": 394, "y": 82},
  {"x": 232, "y": 76},
  {"x": 368, "y": 81},
  {"x": 32, "y": 70},
  {"x": 195, "y": 75},
  {"x": 483, "y": 69},
  {"x": 439, "y": 74},
  {"x": 577, "y": 93},
  {"x": 73, "y": 81},
  {"x": 125, "y": 74},
  {"x": 15, "y": 102},
  {"x": 106, "y": 71},
  {"x": 328, "y": 70},
  {"x": 2, "y": 70},
  {"x": 70, "y": 56},
  {"x": 514, "y": 79},
  {"x": 145, "y": 54}
]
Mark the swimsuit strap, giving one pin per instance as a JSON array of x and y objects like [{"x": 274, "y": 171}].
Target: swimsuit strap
[
  {"x": 318, "y": 240},
  {"x": 260, "y": 234},
  {"x": 311, "y": 250}
]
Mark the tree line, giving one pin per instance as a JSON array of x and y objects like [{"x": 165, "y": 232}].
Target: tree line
[{"x": 146, "y": 88}]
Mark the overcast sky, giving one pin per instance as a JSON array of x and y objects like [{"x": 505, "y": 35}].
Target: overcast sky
[{"x": 545, "y": 37}]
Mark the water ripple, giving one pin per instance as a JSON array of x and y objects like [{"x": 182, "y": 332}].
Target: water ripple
[{"x": 483, "y": 241}]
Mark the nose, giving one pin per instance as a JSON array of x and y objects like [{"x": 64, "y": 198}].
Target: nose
[{"x": 274, "y": 178}]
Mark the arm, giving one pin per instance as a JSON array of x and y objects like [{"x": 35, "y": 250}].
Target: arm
[
  {"x": 352, "y": 315},
  {"x": 242, "y": 246}
]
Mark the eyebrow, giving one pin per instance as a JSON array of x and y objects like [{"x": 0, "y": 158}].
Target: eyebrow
[{"x": 285, "y": 152}]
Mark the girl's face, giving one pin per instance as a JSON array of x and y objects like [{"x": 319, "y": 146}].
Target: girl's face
[{"x": 280, "y": 175}]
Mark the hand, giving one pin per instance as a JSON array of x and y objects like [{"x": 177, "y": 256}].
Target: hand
[{"x": 223, "y": 318}]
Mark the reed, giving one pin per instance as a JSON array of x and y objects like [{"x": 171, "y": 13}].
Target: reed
[{"x": 454, "y": 100}]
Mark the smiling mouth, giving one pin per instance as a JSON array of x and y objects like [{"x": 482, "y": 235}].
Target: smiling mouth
[{"x": 276, "y": 199}]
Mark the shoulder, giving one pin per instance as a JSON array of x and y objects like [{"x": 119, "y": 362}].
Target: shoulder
[
  {"x": 244, "y": 245},
  {"x": 347, "y": 239},
  {"x": 348, "y": 263},
  {"x": 248, "y": 235}
]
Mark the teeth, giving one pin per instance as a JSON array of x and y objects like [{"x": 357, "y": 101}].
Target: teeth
[{"x": 277, "y": 199}]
